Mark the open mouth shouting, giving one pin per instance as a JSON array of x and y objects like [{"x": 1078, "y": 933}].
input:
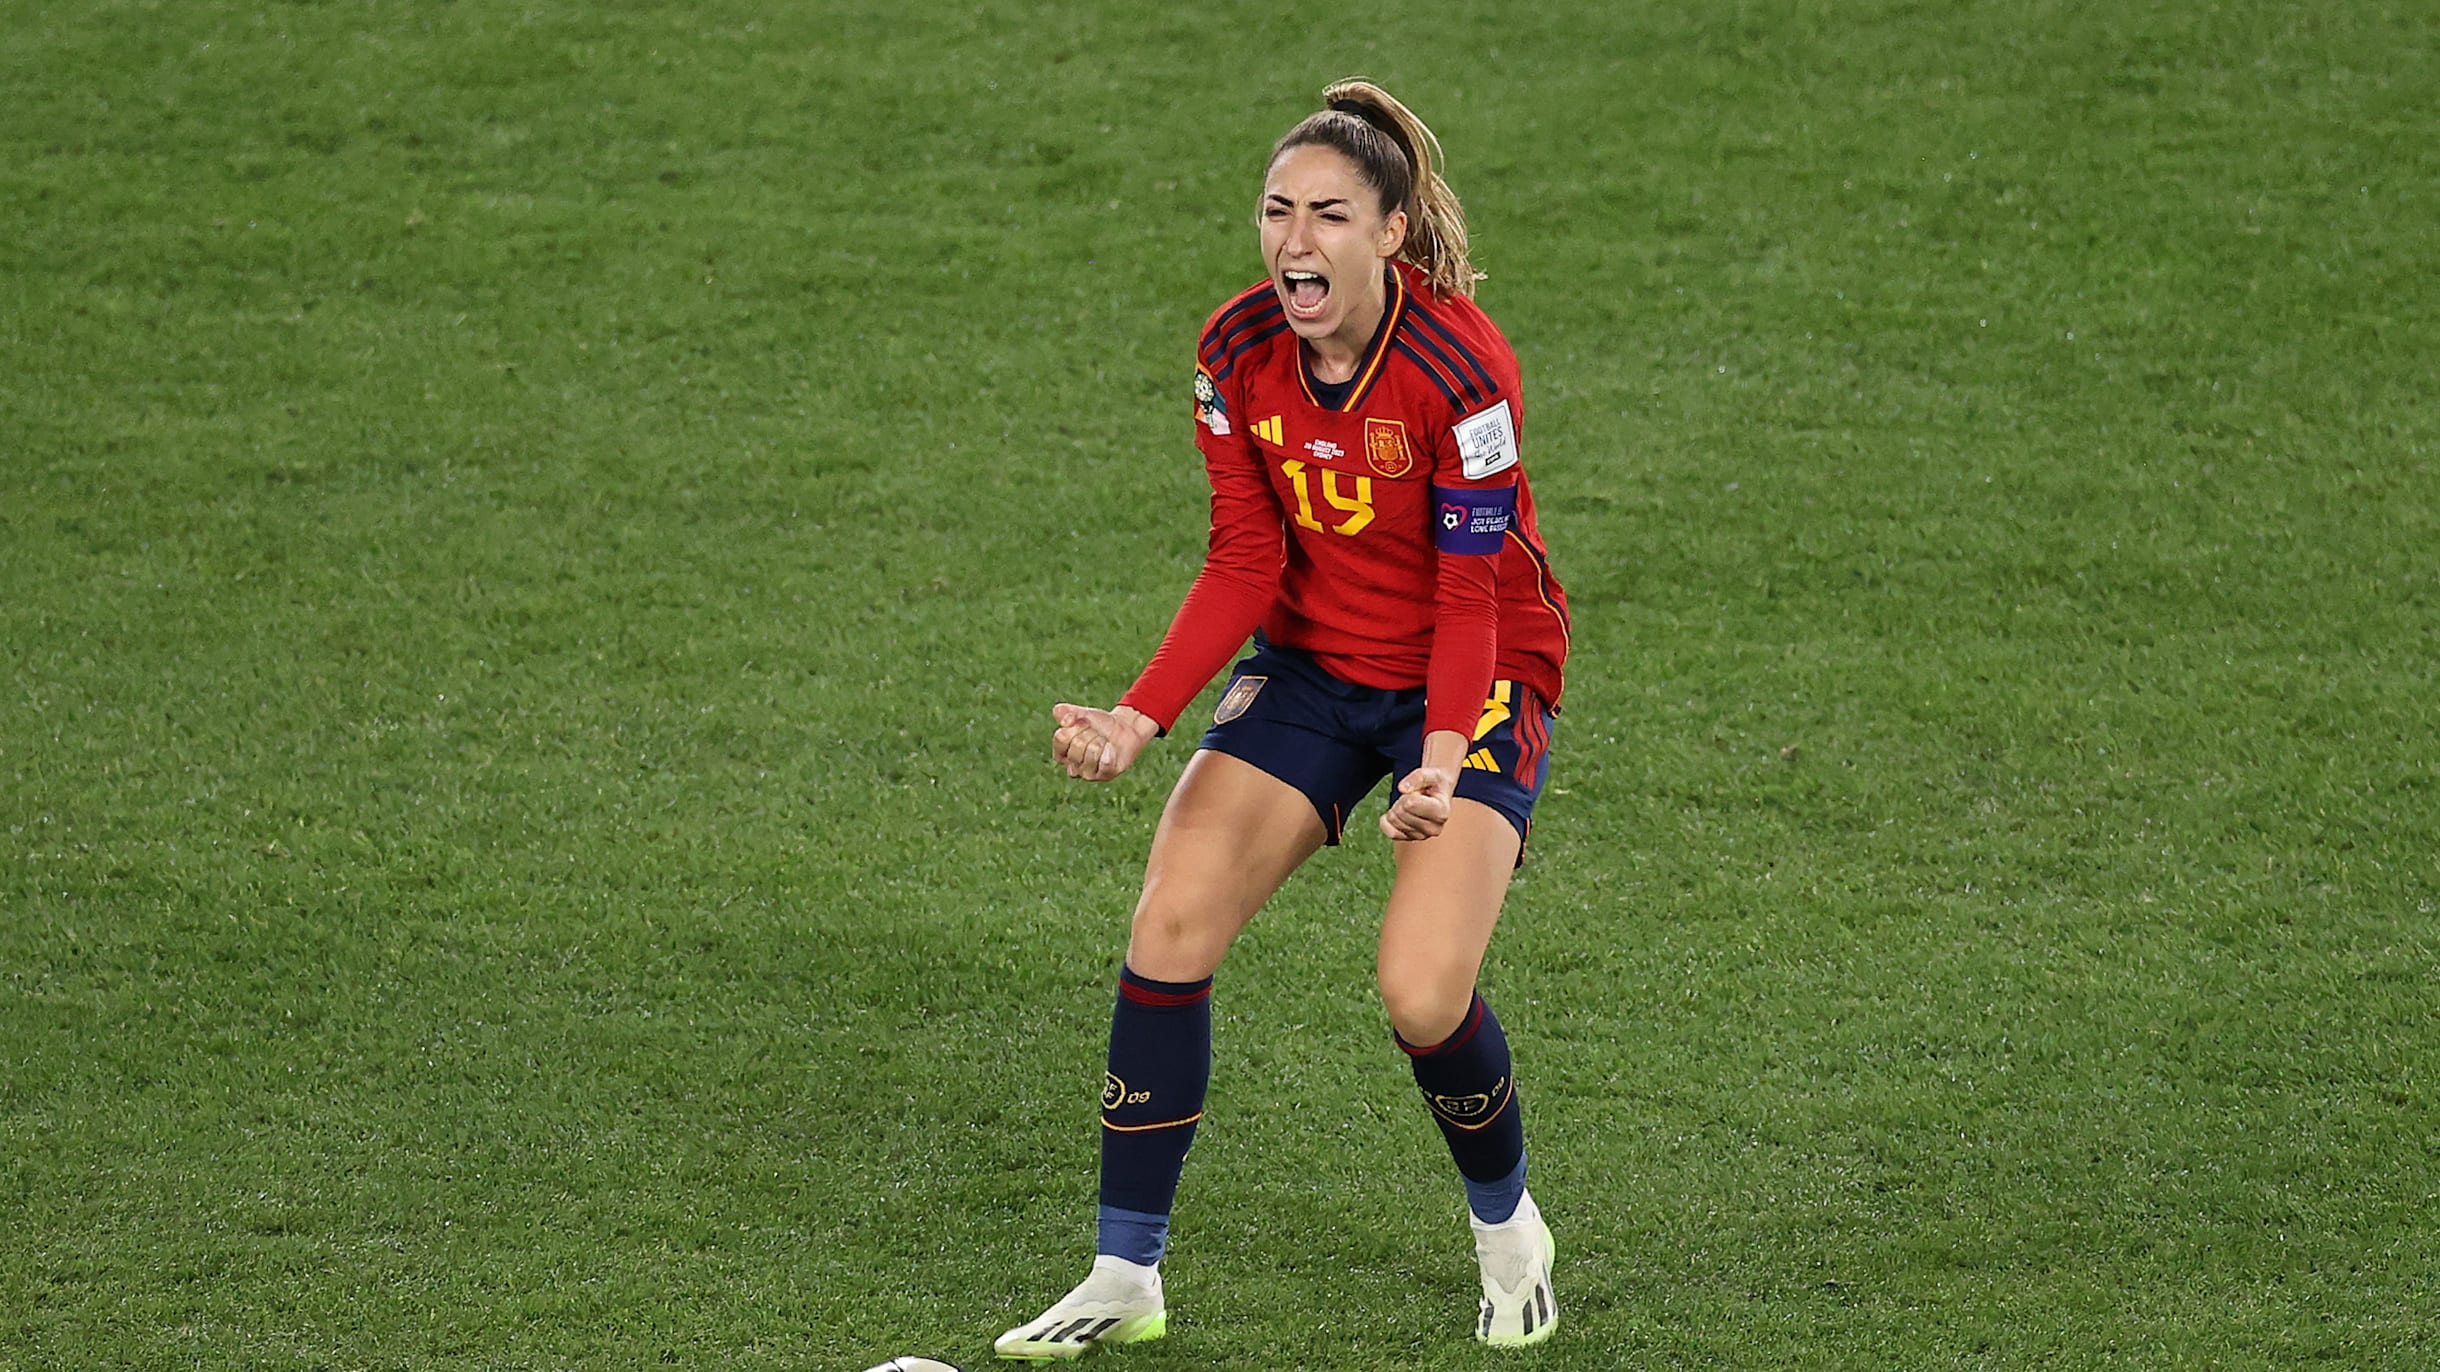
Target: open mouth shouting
[{"x": 1305, "y": 293}]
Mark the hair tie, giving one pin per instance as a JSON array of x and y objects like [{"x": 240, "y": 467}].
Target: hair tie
[{"x": 1346, "y": 106}]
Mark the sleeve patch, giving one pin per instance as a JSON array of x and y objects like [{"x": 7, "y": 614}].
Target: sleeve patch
[
  {"x": 1210, "y": 410},
  {"x": 1487, "y": 440},
  {"x": 1471, "y": 520}
]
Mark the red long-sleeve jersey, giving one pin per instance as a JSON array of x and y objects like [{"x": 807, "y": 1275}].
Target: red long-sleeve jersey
[{"x": 1384, "y": 527}]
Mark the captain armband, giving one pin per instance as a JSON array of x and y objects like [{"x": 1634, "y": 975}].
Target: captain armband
[{"x": 1470, "y": 519}]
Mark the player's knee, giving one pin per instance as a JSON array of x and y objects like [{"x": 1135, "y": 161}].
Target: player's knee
[
  {"x": 1173, "y": 941},
  {"x": 1426, "y": 1001}
]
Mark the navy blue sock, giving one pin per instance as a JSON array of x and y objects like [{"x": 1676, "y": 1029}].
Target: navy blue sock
[
  {"x": 1494, "y": 1202},
  {"x": 1469, "y": 1084},
  {"x": 1160, "y": 1066}
]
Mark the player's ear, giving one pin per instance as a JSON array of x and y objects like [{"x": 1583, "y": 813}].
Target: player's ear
[{"x": 1393, "y": 233}]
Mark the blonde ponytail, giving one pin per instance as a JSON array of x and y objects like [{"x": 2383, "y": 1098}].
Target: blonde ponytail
[
  {"x": 1436, "y": 222},
  {"x": 1400, "y": 157}
]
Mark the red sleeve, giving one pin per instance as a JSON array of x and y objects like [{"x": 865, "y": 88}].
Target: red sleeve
[
  {"x": 1474, "y": 487},
  {"x": 1465, "y": 643},
  {"x": 1235, "y": 589}
]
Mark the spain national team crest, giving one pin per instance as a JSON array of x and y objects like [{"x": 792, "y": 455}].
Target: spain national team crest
[
  {"x": 1385, "y": 447},
  {"x": 1241, "y": 693}
]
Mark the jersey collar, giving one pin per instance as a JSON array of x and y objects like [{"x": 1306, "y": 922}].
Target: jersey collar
[{"x": 1376, "y": 353}]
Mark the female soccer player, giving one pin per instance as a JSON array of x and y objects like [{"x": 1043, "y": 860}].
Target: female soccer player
[{"x": 1371, "y": 527}]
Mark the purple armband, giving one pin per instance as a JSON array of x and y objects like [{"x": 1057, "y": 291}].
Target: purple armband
[{"x": 1472, "y": 519}]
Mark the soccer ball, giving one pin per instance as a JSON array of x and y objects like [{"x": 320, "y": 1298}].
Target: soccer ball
[{"x": 912, "y": 1365}]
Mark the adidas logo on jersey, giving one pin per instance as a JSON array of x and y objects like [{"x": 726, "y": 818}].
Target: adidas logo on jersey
[{"x": 1273, "y": 431}]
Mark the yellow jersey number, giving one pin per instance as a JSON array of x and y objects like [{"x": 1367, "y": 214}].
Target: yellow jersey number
[{"x": 1357, "y": 504}]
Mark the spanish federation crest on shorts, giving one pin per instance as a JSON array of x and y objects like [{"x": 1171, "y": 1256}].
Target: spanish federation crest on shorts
[{"x": 1240, "y": 697}]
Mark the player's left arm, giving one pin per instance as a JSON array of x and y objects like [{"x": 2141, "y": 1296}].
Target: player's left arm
[{"x": 1474, "y": 503}]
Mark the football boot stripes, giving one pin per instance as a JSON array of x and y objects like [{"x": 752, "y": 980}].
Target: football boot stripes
[
  {"x": 1075, "y": 1331},
  {"x": 1516, "y": 1255},
  {"x": 1119, "y": 1303},
  {"x": 1536, "y": 1317}
]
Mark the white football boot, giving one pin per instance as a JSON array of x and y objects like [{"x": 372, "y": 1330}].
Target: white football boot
[
  {"x": 1516, "y": 1257},
  {"x": 1119, "y": 1303}
]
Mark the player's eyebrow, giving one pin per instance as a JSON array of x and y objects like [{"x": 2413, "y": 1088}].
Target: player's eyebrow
[{"x": 1275, "y": 198}]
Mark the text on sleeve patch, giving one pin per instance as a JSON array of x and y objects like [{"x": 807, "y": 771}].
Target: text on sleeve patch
[{"x": 1487, "y": 441}]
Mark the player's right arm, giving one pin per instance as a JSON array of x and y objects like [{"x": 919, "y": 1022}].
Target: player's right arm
[
  {"x": 1229, "y": 597},
  {"x": 1248, "y": 541},
  {"x": 1097, "y": 745},
  {"x": 1232, "y": 593},
  {"x": 1226, "y": 603}
]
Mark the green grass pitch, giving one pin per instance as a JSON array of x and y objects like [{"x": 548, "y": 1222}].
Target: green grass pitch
[{"x": 537, "y": 542}]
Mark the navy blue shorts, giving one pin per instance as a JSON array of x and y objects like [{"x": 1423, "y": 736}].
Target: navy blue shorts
[{"x": 1335, "y": 740}]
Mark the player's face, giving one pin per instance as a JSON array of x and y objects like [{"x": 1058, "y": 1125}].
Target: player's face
[{"x": 1324, "y": 238}]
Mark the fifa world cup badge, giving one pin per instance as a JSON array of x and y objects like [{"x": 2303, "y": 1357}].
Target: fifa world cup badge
[{"x": 1210, "y": 410}]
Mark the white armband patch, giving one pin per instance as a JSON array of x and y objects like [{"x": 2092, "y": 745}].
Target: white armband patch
[{"x": 1487, "y": 441}]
